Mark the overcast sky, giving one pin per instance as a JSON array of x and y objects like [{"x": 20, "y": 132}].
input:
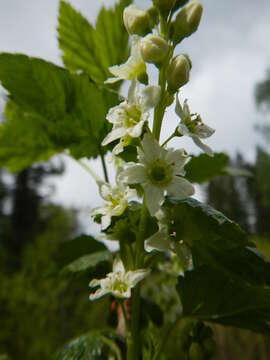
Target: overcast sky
[{"x": 230, "y": 53}]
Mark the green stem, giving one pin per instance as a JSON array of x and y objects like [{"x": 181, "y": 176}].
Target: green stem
[
  {"x": 168, "y": 139},
  {"x": 161, "y": 106},
  {"x": 135, "y": 346},
  {"x": 163, "y": 343},
  {"x": 86, "y": 168},
  {"x": 106, "y": 177}
]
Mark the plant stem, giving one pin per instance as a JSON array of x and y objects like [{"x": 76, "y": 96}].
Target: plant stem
[
  {"x": 161, "y": 106},
  {"x": 86, "y": 168},
  {"x": 106, "y": 177},
  {"x": 168, "y": 139},
  {"x": 135, "y": 346},
  {"x": 165, "y": 338}
]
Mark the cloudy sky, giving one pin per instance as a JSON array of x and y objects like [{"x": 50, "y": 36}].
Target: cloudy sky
[{"x": 230, "y": 53}]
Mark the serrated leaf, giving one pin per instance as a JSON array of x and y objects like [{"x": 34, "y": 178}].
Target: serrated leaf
[
  {"x": 203, "y": 168},
  {"x": 211, "y": 296},
  {"x": 69, "y": 251},
  {"x": 96, "y": 345},
  {"x": 216, "y": 241},
  {"x": 20, "y": 148},
  {"x": 88, "y": 263},
  {"x": 61, "y": 111},
  {"x": 92, "y": 50}
]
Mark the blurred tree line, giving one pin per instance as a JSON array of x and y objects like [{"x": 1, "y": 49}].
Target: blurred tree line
[
  {"x": 247, "y": 199},
  {"x": 38, "y": 310}
]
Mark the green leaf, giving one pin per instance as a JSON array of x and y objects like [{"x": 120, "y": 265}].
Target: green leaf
[
  {"x": 203, "y": 168},
  {"x": 59, "y": 111},
  {"x": 93, "y": 50},
  {"x": 211, "y": 296},
  {"x": 82, "y": 245},
  {"x": 216, "y": 241},
  {"x": 95, "y": 345},
  {"x": 151, "y": 310},
  {"x": 20, "y": 148},
  {"x": 89, "y": 263}
]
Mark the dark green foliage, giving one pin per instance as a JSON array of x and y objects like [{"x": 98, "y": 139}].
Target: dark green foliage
[
  {"x": 217, "y": 241},
  {"x": 96, "y": 264},
  {"x": 91, "y": 346},
  {"x": 212, "y": 296},
  {"x": 62, "y": 111},
  {"x": 69, "y": 251},
  {"x": 262, "y": 92},
  {"x": 151, "y": 311},
  {"x": 93, "y": 50},
  {"x": 203, "y": 168}
]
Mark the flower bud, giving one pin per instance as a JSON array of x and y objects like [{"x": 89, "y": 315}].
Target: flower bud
[
  {"x": 136, "y": 20},
  {"x": 187, "y": 21},
  {"x": 164, "y": 6},
  {"x": 153, "y": 15},
  {"x": 178, "y": 72},
  {"x": 154, "y": 49}
]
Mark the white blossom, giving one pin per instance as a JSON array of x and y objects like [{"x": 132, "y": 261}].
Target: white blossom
[
  {"x": 133, "y": 67},
  {"x": 119, "y": 282},
  {"x": 129, "y": 117},
  {"x": 158, "y": 170},
  {"x": 116, "y": 201},
  {"x": 192, "y": 125}
]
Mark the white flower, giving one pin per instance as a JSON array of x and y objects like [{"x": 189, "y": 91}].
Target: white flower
[
  {"x": 158, "y": 170},
  {"x": 116, "y": 201},
  {"x": 133, "y": 67},
  {"x": 162, "y": 240},
  {"x": 119, "y": 282},
  {"x": 192, "y": 125},
  {"x": 128, "y": 117}
]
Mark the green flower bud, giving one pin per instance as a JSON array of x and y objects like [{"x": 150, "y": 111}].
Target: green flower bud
[
  {"x": 196, "y": 352},
  {"x": 154, "y": 49},
  {"x": 187, "y": 21},
  {"x": 136, "y": 21},
  {"x": 164, "y": 6},
  {"x": 153, "y": 15},
  {"x": 178, "y": 72}
]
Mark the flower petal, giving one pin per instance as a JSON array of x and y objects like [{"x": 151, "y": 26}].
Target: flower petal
[
  {"x": 154, "y": 197},
  {"x": 151, "y": 148},
  {"x": 105, "y": 221},
  {"x": 94, "y": 283},
  {"x": 134, "y": 174},
  {"x": 98, "y": 294},
  {"x": 150, "y": 96},
  {"x": 136, "y": 130},
  {"x": 180, "y": 188},
  {"x": 118, "y": 266},
  {"x": 133, "y": 277},
  {"x": 201, "y": 145},
  {"x": 115, "y": 134},
  {"x": 159, "y": 241}
]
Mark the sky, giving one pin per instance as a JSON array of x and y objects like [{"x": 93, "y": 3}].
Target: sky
[{"x": 230, "y": 53}]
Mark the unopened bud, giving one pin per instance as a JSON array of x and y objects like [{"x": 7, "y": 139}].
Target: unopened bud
[
  {"x": 164, "y": 6},
  {"x": 178, "y": 72},
  {"x": 136, "y": 20},
  {"x": 187, "y": 21},
  {"x": 153, "y": 15},
  {"x": 154, "y": 49}
]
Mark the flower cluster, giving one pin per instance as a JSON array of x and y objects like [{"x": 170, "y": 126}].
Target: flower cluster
[{"x": 156, "y": 171}]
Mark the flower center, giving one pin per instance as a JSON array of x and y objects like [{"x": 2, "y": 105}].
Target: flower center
[
  {"x": 159, "y": 172},
  {"x": 119, "y": 285},
  {"x": 133, "y": 115}
]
